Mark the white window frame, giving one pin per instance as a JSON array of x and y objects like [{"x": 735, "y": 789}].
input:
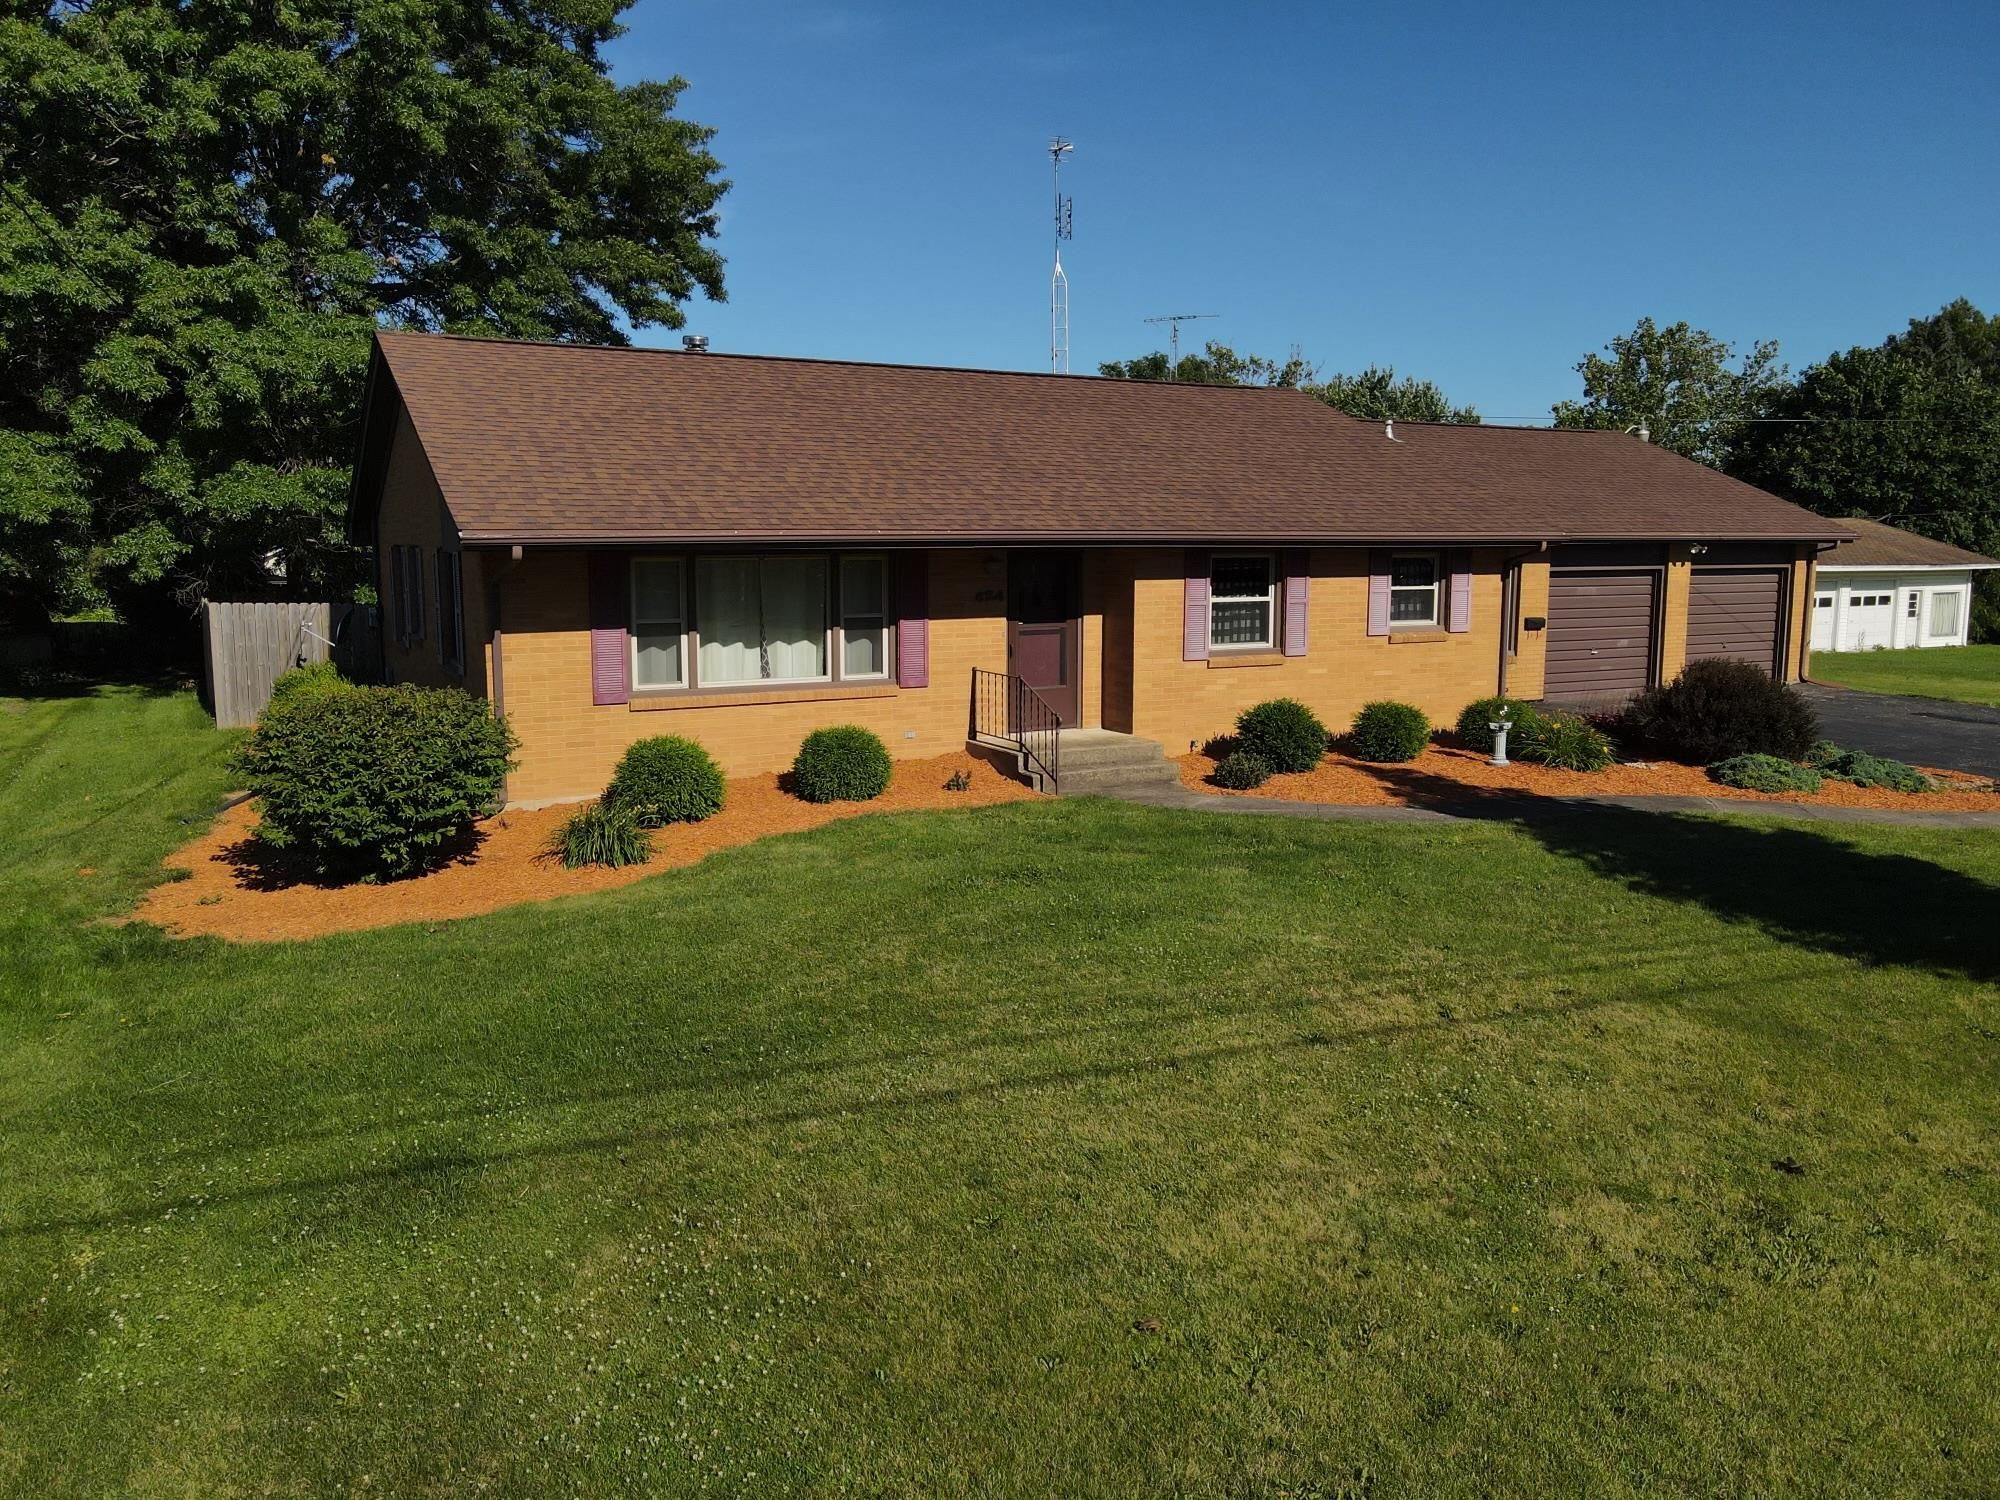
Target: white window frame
[
  {"x": 1434, "y": 588},
  {"x": 1959, "y": 606},
  {"x": 633, "y": 623},
  {"x": 884, "y": 622},
  {"x": 1269, "y": 598},
  {"x": 826, "y": 616}
]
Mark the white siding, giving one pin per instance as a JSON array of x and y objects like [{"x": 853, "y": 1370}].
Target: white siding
[{"x": 1890, "y": 609}]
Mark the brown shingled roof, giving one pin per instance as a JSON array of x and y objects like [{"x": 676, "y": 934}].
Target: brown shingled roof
[
  {"x": 1877, "y": 545},
  {"x": 564, "y": 443}
]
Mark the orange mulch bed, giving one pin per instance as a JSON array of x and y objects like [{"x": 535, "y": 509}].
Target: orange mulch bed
[
  {"x": 232, "y": 893},
  {"x": 1443, "y": 772}
]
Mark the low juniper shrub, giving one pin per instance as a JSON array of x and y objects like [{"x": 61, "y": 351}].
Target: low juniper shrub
[
  {"x": 1389, "y": 731},
  {"x": 1473, "y": 724},
  {"x": 666, "y": 779},
  {"x": 1765, "y": 773},
  {"x": 1863, "y": 769},
  {"x": 1283, "y": 733},
  {"x": 844, "y": 764},
  {"x": 1718, "y": 708},
  {"x": 1568, "y": 742},
  {"x": 604, "y": 833},
  {"x": 374, "y": 782},
  {"x": 1240, "y": 770}
]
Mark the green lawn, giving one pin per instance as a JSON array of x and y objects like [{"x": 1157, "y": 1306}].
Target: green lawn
[
  {"x": 1965, "y": 674},
  {"x": 1057, "y": 1149}
]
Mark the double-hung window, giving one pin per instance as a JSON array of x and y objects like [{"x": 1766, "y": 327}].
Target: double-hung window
[
  {"x": 1413, "y": 590},
  {"x": 864, "y": 616},
  {"x": 1242, "y": 600},
  {"x": 659, "y": 623}
]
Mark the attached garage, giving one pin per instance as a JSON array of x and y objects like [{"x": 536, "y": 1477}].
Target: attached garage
[
  {"x": 1736, "y": 613},
  {"x": 1601, "y": 631}
]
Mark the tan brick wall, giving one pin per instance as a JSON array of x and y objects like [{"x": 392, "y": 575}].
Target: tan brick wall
[
  {"x": 1798, "y": 637},
  {"x": 1529, "y": 668},
  {"x": 1177, "y": 702},
  {"x": 569, "y": 746},
  {"x": 1674, "y": 610}
]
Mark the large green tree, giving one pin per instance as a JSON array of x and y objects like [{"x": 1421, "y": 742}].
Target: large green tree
[
  {"x": 1377, "y": 394},
  {"x": 205, "y": 208},
  {"x": 1685, "y": 386},
  {"x": 1217, "y": 364}
]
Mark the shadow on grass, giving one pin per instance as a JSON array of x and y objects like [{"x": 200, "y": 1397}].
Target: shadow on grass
[{"x": 1796, "y": 883}]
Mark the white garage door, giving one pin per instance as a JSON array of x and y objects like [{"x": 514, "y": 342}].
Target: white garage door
[{"x": 1869, "y": 621}]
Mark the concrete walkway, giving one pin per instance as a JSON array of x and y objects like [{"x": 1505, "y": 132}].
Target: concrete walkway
[{"x": 1511, "y": 807}]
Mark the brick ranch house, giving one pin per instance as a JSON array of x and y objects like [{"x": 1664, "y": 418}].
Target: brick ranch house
[{"x": 616, "y": 543}]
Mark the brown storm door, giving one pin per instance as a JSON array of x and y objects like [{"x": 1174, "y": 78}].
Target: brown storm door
[{"x": 1045, "y": 628}]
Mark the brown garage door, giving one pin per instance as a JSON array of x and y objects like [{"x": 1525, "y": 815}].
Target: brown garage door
[
  {"x": 1735, "y": 612},
  {"x": 1600, "y": 633}
]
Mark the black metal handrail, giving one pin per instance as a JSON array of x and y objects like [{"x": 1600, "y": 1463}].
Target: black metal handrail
[{"x": 1005, "y": 708}]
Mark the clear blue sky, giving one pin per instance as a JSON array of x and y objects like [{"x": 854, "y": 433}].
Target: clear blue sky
[{"x": 1478, "y": 194}]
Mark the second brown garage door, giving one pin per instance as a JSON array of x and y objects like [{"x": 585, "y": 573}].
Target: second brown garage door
[
  {"x": 1600, "y": 632},
  {"x": 1735, "y": 612}
]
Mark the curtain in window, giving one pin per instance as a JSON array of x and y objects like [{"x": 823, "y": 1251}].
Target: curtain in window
[{"x": 761, "y": 619}]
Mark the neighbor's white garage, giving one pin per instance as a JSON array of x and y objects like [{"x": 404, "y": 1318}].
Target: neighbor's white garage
[{"x": 1889, "y": 589}]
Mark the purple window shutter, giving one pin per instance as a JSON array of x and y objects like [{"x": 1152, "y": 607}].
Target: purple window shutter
[
  {"x": 913, "y": 620},
  {"x": 1378, "y": 593},
  {"x": 1298, "y": 584},
  {"x": 610, "y": 617},
  {"x": 1461, "y": 591},
  {"x": 1194, "y": 609}
]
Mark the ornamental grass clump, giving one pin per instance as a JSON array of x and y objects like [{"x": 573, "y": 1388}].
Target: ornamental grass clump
[
  {"x": 1389, "y": 731},
  {"x": 1568, "y": 742},
  {"x": 604, "y": 833},
  {"x": 1283, "y": 733},
  {"x": 1475, "y": 723},
  {"x": 1718, "y": 708},
  {"x": 370, "y": 783},
  {"x": 1765, "y": 773},
  {"x": 1240, "y": 770},
  {"x": 666, "y": 779},
  {"x": 844, "y": 764}
]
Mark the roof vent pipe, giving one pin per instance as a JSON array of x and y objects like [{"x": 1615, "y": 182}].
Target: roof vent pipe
[
  {"x": 1645, "y": 433},
  {"x": 1389, "y": 432},
  {"x": 694, "y": 343}
]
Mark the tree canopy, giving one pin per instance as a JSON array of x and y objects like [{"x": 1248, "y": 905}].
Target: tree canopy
[
  {"x": 205, "y": 211},
  {"x": 1378, "y": 395},
  {"x": 1217, "y": 364},
  {"x": 1680, "y": 384}
]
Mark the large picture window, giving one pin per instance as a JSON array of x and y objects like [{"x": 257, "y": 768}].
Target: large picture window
[
  {"x": 1242, "y": 600},
  {"x": 1413, "y": 590},
  {"x": 1944, "y": 612},
  {"x": 730, "y": 621}
]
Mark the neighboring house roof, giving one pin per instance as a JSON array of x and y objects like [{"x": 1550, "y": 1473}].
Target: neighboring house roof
[
  {"x": 1877, "y": 545},
  {"x": 549, "y": 443}
]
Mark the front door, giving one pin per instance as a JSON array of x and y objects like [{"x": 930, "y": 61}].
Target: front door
[{"x": 1045, "y": 628}]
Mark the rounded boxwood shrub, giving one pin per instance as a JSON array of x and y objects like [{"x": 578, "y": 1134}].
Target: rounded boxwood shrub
[
  {"x": 844, "y": 764},
  {"x": 1240, "y": 770},
  {"x": 1283, "y": 733},
  {"x": 1472, "y": 723},
  {"x": 1389, "y": 731},
  {"x": 1718, "y": 708},
  {"x": 374, "y": 782},
  {"x": 1765, "y": 773},
  {"x": 666, "y": 779},
  {"x": 1569, "y": 742},
  {"x": 304, "y": 682},
  {"x": 604, "y": 833}
]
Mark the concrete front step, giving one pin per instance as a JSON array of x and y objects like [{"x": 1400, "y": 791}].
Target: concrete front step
[
  {"x": 1097, "y": 781},
  {"x": 1093, "y": 762}
]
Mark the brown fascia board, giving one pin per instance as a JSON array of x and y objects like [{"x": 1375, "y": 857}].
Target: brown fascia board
[{"x": 1115, "y": 539}]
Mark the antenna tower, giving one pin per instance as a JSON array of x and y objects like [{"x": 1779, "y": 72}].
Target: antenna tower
[
  {"x": 1059, "y": 283},
  {"x": 1173, "y": 322}
]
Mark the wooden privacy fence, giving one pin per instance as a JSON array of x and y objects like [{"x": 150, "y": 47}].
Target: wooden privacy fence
[{"x": 246, "y": 644}]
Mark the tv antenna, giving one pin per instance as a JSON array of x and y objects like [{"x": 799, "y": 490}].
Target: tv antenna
[
  {"x": 1173, "y": 322},
  {"x": 1059, "y": 283}
]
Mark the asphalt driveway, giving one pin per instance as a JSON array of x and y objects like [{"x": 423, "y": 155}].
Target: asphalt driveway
[{"x": 1923, "y": 731}]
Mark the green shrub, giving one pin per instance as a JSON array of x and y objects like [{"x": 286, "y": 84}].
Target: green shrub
[
  {"x": 1283, "y": 733},
  {"x": 1569, "y": 742},
  {"x": 604, "y": 833},
  {"x": 1240, "y": 770},
  {"x": 1389, "y": 731},
  {"x": 843, "y": 764},
  {"x": 1472, "y": 730},
  {"x": 666, "y": 779},
  {"x": 1824, "y": 753},
  {"x": 958, "y": 781},
  {"x": 1863, "y": 769},
  {"x": 313, "y": 679},
  {"x": 1765, "y": 773},
  {"x": 374, "y": 782},
  {"x": 1718, "y": 708}
]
